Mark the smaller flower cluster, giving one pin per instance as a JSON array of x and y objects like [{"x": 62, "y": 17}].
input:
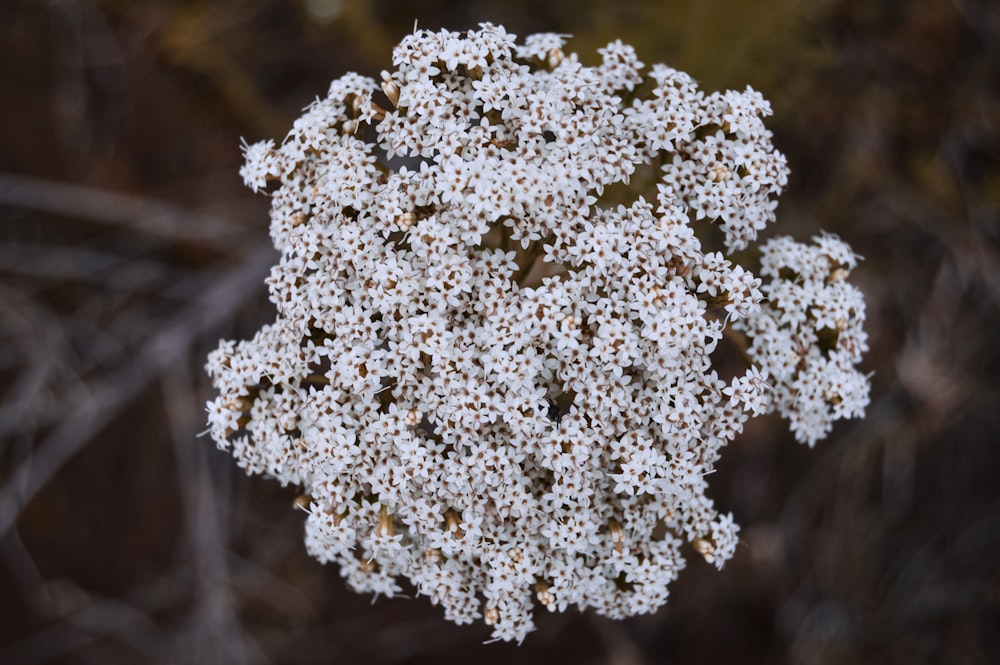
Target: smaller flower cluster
[{"x": 808, "y": 336}]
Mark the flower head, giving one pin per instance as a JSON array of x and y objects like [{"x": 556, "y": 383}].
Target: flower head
[{"x": 491, "y": 374}]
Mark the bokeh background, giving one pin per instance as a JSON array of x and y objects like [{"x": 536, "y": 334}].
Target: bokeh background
[{"x": 128, "y": 246}]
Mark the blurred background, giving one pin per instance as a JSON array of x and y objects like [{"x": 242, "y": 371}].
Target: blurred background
[{"x": 128, "y": 247}]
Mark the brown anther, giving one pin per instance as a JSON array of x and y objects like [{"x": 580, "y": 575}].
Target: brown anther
[
  {"x": 545, "y": 596},
  {"x": 384, "y": 522},
  {"x": 390, "y": 88},
  {"x": 554, "y": 58},
  {"x": 453, "y": 522},
  {"x": 491, "y": 615},
  {"x": 406, "y": 220},
  {"x": 705, "y": 548},
  {"x": 412, "y": 418},
  {"x": 617, "y": 534},
  {"x": 719, "y": 173},
  {"x": 234, "y": 404}
]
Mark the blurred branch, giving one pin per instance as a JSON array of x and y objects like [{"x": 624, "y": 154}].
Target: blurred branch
[
  {"x": 216, "y": 634},
  {"x": 970, "y": 252},
  {"x": 147, "y": 216},
  {"x": 108, "y": 271},
  {"x": 87, "y": 417},
  {"x": 34, "y": 337},
  {"x": 93, "y": 618}
]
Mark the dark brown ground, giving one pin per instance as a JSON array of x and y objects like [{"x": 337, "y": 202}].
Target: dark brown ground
[{"x": 128, "y": 246}]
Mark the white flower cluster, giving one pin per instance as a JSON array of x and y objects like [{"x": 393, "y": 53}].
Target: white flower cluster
[
  {"x": 808, "y": 336},
  {"x": 489, "y": 380}
]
